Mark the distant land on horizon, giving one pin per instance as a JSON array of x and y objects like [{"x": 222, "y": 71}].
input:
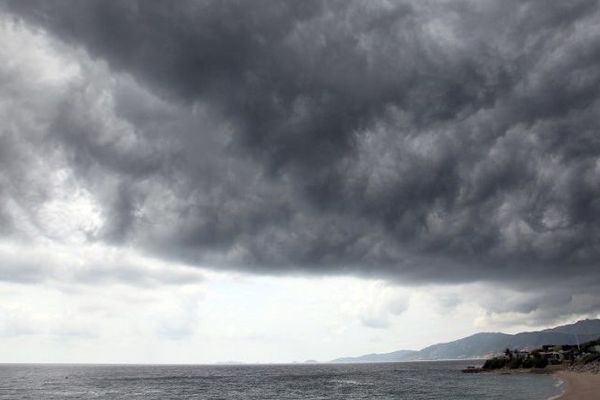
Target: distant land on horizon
[{"x": 483, "y": 344}]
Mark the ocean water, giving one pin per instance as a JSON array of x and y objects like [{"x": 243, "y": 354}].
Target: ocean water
[{"x": 410, "y": 381}]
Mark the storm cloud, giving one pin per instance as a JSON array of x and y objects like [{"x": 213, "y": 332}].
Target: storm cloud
[{"x": 423, "y": 142}]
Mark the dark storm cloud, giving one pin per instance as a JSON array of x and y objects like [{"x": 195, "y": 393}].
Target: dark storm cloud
[{"x": 424, "y": 141}]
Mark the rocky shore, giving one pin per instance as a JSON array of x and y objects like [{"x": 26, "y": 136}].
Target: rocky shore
[{"x": 592, "y": 368}]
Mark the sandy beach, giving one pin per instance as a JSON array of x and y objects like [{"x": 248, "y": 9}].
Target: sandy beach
[{"x": 580, "y": 385}]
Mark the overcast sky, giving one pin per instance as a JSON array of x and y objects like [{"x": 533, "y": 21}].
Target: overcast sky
[{"x": 203, "y": 181}]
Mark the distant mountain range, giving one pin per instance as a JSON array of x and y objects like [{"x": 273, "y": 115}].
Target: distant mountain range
[{"x": 481, "y": 345}]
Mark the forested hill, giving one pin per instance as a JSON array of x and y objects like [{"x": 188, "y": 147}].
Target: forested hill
[{"x": 481, "y": 345}]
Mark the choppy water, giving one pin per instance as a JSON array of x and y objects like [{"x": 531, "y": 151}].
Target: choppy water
[{"x": 414, "y": 381}]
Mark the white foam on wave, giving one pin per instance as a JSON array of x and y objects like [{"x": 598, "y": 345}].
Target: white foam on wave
[
  {"x": 559, "y": 383},
  {"x": 350, "y": 382}
]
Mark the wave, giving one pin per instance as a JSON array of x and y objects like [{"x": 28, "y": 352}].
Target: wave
[{"x": 559, "y": 384}]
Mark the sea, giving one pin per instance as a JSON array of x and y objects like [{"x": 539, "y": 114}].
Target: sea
[{"x": 400, "y": 381}]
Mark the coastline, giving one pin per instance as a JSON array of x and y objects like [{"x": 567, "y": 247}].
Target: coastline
[{"x": 579, "y": 385}]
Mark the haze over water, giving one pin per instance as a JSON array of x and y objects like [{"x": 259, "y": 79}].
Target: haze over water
[{"x": 401, "y": 381}]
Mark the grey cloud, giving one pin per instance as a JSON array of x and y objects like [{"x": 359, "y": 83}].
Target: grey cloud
[
  {"x": 381, "y": 317},
  {"x": 13, "y": 324},
  {"x": 419, "y": 141},
  {"x": 30, "y": 265},
  {"x": 10, "y": 325},
  {"x": 131, "y": 274},
  {"x": 375, "y": 322},
  {"x": 549, "y": 309}
]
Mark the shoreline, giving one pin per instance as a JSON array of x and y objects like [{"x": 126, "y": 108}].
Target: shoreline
[
  {"x": 579, "y": 385},
  {"x": 572, "y": 384}
]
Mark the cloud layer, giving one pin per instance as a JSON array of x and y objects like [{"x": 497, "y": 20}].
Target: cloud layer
[{"x": 417, "y": 141}]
